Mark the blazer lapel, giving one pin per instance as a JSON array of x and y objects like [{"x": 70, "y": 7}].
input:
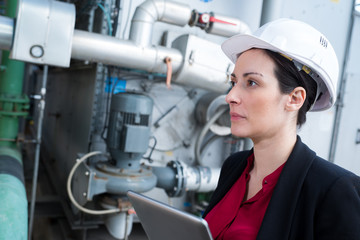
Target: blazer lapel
[{"x": 278, "y": 217}]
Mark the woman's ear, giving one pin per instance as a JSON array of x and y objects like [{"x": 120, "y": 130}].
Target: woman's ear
[{"x": 296, "y": 99}]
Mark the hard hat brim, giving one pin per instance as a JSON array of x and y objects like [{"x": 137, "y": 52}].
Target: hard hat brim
[{"x": 238, "y": 44}]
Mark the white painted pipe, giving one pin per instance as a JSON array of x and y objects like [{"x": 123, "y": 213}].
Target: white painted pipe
[
  {"x": 151, "y": 11},
  {"x": 178, "y": 177},
  {"x": 113, "y": 51},
  {"x": 271, "y": 10}
]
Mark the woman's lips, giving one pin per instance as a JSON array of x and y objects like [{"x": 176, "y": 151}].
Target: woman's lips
[{"x": 236, "y": 116}]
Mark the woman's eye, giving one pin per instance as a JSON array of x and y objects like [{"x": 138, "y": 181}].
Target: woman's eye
[
  {"x": 232, "y": 83},
  {"x": 251, "y": 83}
]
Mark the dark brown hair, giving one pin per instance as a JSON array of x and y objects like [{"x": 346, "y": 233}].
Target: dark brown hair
[{"x": 289, "y": 78}]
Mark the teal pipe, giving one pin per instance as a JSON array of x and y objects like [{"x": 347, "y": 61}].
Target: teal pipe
[
  {"x": 13, "y": 201},
  {"x": 13, "y": 208}
]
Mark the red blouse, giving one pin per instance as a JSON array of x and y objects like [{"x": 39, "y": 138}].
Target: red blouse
[{"x": 233, "y": 219}]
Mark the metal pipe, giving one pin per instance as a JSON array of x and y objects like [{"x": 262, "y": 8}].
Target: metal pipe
[
  {"x": 118, "y": 52},
  {"x": 37, "y": 150},
  {"x": 177, "y": 178},
  {"x": 340, "y": 98},
  {"x": 151, "y": 11},
  {"x": 271, "y": 10},
  {"x": 6, "y": 32},
  {"x": 166, "y": 177}
]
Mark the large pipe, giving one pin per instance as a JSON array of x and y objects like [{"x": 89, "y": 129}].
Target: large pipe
[
  {"x": 113, "y": 51},
  {"x": 108, "y": 50},
  {"x": 271, "y": 10},
  {"x": 341, "y": 93},
  {"x": 177, "y": 178},
  {"x": 179, "y": 14},
  {"x": 6, "y": 32},
  {"x": 13, "y": 207},
  {"x": 151, "y": 11}
]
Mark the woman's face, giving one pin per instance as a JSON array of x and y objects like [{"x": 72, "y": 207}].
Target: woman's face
[{"x": 257, "y": 107}]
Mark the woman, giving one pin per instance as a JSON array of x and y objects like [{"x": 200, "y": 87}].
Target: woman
[{"x": 281, "y": 189}]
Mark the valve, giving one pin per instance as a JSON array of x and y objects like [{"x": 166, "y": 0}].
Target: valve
[
  {"x": 205, "y": 20},
  {"x": 208, "y": 18}
]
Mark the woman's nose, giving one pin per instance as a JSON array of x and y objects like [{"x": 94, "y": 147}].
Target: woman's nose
[{"x": 232, "y": 98}]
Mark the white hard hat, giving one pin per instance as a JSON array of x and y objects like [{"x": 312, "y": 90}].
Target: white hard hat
[{"x": 302, "y": 44}]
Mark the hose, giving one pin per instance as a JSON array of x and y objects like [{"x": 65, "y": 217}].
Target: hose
[
  {"x": 72, "y": 199},
  {"x": 108, "y": 18},
  {"x": 204, "y": 131}
]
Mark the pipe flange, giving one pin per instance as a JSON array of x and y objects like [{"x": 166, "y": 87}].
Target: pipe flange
[{"x": 179, "y": 189}]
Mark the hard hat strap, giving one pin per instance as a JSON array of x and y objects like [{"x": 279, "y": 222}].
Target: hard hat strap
[{"x": 311, "y": 73}]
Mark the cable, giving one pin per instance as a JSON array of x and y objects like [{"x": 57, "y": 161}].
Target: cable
[
  {"x": 107, "y": 17},
  {"x": 72, "y": 199},
  {"x": 109, "y": 96},
  {"x": 204, "y": 131},
  {"x": 152, "y": 149}
]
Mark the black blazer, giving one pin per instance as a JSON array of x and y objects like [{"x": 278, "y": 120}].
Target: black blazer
[{"x": 313, "y": 198}]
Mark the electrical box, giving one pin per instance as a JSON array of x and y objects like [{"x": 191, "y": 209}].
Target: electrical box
[
  {"x": 135, "y": 139},
  {"x": 204, "y": 65},
  {"x": 43, "y": 32}
]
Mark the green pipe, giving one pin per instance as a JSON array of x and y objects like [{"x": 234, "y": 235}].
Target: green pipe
[
  {"x": 12, "y": 78},
  {"x": 13, "y": 104}
]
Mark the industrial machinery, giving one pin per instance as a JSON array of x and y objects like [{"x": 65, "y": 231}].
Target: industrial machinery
[{"x": 121, "y": 95}]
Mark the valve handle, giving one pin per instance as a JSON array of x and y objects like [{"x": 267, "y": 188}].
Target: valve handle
[
  {"x": 213, "y": 19},
  {"x": 206, "y": 18}
]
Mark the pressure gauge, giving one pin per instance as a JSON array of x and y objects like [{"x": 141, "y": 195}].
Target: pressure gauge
[{"x": 37, "y": 51}]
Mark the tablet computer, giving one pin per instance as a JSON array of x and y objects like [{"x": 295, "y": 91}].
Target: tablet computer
[{"x": 163, "y": 222}]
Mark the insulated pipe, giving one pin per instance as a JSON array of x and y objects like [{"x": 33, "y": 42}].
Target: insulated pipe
[
  {"x": 271, "y": 10},
  {"x": 109, "y": 50},
  {"x": 177, "y": 177},
  {"x": 13, "y": 207},
  {"x": 113, "y": 51},
  {"x": 6, "y": 32},
  {"x": 151, "y": 11},
  {"x": 147, "y": 13},
  {"x": 339, "y": 105}
]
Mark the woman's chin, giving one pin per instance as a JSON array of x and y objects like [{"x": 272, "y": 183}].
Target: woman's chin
[{"x": 239, "y": 133}]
